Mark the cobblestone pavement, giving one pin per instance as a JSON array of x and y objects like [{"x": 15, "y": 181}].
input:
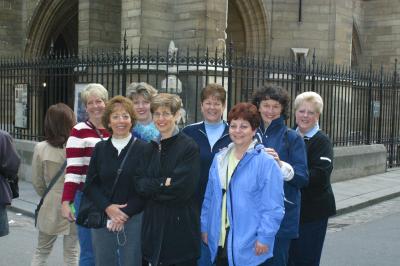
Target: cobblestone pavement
[{"x": 339, "y": 223}]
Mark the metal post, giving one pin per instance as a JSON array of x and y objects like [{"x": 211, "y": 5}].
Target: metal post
[
  {"x": 300, "y": 10},
  {"x": 124, "y": 66},
  {"x": 394, "y": 110},
  {"x": 230, "y": 76},
  {"x": 369, "y": 115},
  {"x": 380, "y": 106},
  {"x": 313, "y": 72}
]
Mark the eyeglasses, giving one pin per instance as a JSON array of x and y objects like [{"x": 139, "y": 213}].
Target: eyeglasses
[
  {"x": 124, "y": 117},
  {"x": 163, "y": 114}
]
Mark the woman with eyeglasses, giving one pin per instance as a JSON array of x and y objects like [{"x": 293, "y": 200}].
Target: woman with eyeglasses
[{"x": 171, "y": 221}]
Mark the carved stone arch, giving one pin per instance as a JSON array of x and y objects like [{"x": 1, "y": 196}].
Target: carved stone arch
[
  {"x": 50, "y": 20},
  {"x": 251, "y": 18},
  {"x": 356, "y": 46}
]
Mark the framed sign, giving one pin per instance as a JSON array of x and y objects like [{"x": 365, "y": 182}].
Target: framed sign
[
  {"x": 79, "y": 107},
  {"x": 21, "y": 106}
]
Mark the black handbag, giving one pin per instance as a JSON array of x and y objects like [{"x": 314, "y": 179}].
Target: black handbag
[
  {"x": 89, "y": 215},
  {"x": 13, "y": 183}
]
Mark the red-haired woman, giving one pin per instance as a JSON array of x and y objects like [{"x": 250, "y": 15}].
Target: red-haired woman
[{"x": 243, "y": 203}]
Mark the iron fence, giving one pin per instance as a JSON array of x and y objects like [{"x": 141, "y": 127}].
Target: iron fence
[{"x": 361, "y": 106}]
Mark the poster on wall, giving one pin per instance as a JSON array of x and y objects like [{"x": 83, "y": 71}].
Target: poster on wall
[
  {"x": 21, "y": 106},
  {"x": 79, "y": 107}
]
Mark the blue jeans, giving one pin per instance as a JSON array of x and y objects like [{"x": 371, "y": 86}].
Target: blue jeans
[
  {"x": 307, "y": 249},
  {"x": 85, "y": 237},
  {"x": 122, "y": 248},
  {"x": 281, "y": 253}
]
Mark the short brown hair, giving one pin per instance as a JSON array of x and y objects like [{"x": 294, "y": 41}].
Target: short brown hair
[
  {"x": 272, "y": 92},
  {"x": 58, "y": 122},
  {"x": 126, "y": 104},
  {"x": 245, "y": 111},
  {"x": 171, "y": 101},
  {"x": 215, "y": 90}
]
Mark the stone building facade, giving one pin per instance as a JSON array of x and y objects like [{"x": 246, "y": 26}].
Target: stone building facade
[{"x": 349, "y": 32}]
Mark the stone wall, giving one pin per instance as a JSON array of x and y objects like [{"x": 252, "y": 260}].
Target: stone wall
[
  {"x": 358, "y": 161},
  {"x": 382, "y": 32},
  {"x": 314, "y": 30},
  {"x": 99, "y": 24},
  {"x": 11, "y": 32}
]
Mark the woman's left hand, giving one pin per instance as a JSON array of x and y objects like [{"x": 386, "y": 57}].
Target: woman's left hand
[{"x": 260, "y": 248}]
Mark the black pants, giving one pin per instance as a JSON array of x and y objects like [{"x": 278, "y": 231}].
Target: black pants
[{"x": 192, "y": 262}]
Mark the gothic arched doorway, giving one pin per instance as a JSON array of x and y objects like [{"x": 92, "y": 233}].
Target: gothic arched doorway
[
  {"x": 52, "y": 34},
  {"x": 247, "y": 27}
]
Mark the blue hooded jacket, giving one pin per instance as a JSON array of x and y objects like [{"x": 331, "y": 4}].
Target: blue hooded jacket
[
  {"x": 254, "y": 205},
  {"x": 291, "y": 149}
]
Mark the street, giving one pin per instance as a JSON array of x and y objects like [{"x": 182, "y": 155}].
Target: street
[
  {"x": 17, "y": 248},
  {"x": 367, "y": 237}
]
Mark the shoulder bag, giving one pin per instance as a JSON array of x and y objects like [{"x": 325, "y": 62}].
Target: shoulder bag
[
  {"x": 89, "y": 215},
  {"x": 52, "y": 182}
]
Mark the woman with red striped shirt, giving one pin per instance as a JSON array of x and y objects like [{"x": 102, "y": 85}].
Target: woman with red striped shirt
[{"x": 79, "y": 148}]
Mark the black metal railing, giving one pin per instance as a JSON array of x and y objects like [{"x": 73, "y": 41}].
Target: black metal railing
[{"x": 360, "y": 106}]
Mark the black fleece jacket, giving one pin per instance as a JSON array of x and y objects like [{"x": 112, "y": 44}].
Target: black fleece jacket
[{"x": 102, "y": 172}]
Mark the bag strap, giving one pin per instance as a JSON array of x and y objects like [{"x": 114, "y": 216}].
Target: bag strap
[
  {"x": 52, "y": 182},
  {"x": 121, "y": 167},
  {"x": 96, "y": 129}
]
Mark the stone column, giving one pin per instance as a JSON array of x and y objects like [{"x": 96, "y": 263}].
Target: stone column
[
  {"x": 99, "y": 24},
  {"x": 131, "y": 13},
  {"x": 11, "y": 34}
]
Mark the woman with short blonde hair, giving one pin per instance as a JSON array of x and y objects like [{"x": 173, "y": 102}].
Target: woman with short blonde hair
[{"x": 317, "y": 199}]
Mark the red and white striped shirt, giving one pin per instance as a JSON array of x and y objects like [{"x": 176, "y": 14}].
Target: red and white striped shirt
[{"x": 79, "y": 149}]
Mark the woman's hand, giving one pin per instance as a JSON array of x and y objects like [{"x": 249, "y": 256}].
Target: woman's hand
[
  {"x": 66, "y": 211},
  {"x": 115, "y": 214},
  {"x": 260, "y": 248},
  {"x": 274, "y": 154},
  {"x": 204, "y": 237},
  {"x": 115, "y": 227}
]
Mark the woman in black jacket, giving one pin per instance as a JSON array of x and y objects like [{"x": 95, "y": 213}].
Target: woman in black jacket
[
  {"x": 119, "y": 242},
  {"x": 317, "y": 199},
  {"x": 171, "y": 221}
]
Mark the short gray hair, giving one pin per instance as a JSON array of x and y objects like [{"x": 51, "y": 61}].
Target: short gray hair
[
  {"x": 141, "y": 89},
  {"x": 94, "y": 89},
  {"x": 311, "y": 97}
]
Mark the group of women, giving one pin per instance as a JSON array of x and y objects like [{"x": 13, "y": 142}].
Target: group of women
[{"x": 214, "y": 193}]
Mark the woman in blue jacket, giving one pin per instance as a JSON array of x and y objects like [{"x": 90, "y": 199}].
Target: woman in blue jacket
[
  {"x": 272, "y": 102},
  {"x": 243, "y": 203},
  {"x": 211, "y": 135}
]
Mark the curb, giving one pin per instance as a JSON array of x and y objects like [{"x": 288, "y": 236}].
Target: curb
[{"x": 365, "y": 204}]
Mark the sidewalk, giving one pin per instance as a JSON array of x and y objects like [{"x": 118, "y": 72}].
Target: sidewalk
[{"x": 350, "y": 195}]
